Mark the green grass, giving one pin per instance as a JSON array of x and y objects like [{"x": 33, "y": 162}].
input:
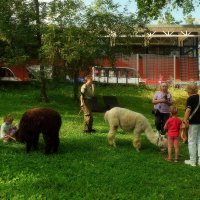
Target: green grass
[{"x": 86, "y": 167}]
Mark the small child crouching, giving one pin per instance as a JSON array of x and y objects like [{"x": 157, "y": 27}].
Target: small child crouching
[{"x": 7, "y": 129}]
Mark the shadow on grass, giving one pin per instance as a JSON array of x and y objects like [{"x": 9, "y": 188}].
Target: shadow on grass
[{"x": 83, "y": 143}]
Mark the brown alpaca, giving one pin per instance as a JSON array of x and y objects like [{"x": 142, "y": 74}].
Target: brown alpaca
[{"x": 36, "y": 121}]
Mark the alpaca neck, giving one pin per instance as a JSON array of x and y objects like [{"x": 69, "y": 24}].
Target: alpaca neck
[{"x": 152, "y": 137}]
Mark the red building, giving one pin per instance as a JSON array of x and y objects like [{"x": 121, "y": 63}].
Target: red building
[{"x": 164, "y": 53}]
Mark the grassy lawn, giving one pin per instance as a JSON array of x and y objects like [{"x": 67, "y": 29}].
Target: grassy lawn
[{"x": 86, "y": 167}]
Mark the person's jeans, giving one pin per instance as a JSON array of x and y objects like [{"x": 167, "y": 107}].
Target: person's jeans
[{"x": 194, "y": 142}]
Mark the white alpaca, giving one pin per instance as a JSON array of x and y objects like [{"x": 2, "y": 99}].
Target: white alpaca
[{"x": 131, "y": 121}]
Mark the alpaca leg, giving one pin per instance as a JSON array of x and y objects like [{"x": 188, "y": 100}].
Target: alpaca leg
[
  {"x": 28, "y": 146},
  {"x": 48, "y": 143},
  {"x": 111, "y": 136},
  {"x": 35, "y": 140},
  {"x": 137, "y": 141},
  {"x": 55, "y": 144},
  {"x": 48, "y": 147}
]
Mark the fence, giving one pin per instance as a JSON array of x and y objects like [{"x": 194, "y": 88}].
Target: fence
[{"x": 147, "y": 68}]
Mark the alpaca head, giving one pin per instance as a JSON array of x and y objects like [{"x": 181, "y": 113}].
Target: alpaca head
[
  {"x": 19, "y": 136},
  {"x": 137, "y": 144},
  {"x": 162, "y": 141}
]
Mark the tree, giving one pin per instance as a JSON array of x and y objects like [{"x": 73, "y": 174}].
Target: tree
[
  {"x": 189, "y": 20},
  {"x": 20, "y": 25},
  {"x": 80, "y": 35},
  {"x": 152, "y": 8},
  {"x": 14, "y": 26},
  {"x": 167, "y": 18},
  {"x": 65, "y": 38},
  {"x": 43, "y": 94},
  {"x": 76, "y": 34}
]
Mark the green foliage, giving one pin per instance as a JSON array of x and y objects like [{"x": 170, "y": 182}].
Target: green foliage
[
  {"x": 80, "y": 35},
  {"x": 152, "y": 8},
  {"x": 86, "y": 167},
  {"x": 17, "y": 28},
  {"x": 167, "y": 19},
  {"x": 189, "y": 20}
]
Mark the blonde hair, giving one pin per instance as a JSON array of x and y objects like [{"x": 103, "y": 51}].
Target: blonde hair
[
  {"x": 192, "y": 88},
  {"x": 173, "y": 110},
  {"x": 8, "y": 117},
  {"x": 163, "y": 84}
]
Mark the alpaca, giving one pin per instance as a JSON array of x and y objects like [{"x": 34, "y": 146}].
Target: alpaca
[
  {"x": 36, "y": 121},
  {"x": 131, "y": 121}
]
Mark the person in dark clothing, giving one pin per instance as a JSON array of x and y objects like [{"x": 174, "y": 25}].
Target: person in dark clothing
[{"x": 192, "y": 119}]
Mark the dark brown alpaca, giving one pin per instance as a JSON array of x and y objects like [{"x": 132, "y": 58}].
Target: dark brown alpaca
[{"x": 36, "y": 121}]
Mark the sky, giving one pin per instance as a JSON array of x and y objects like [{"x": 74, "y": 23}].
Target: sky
[{"x": 177, "y": 14}]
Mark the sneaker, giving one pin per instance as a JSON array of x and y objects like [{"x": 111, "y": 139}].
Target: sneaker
[
  {"x": 86, "y": 131},
  {"x": 168, "y": 159},
  {"x": 89, "y": 131},
  {"x": 188, "y": 162},
  {"x": 175, "y": 160}
]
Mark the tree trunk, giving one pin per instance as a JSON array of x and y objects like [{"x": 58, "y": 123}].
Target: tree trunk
[
  {"x": 55, "y": 67},
  {"x": 55, "y": 72},
  {"x": 43, "y": 94}
]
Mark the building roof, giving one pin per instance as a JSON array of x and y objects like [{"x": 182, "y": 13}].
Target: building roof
[{"x": 178, "y": 31}]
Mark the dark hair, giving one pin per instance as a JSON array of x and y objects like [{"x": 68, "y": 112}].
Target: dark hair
[{"x": 88, "y": 77}]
